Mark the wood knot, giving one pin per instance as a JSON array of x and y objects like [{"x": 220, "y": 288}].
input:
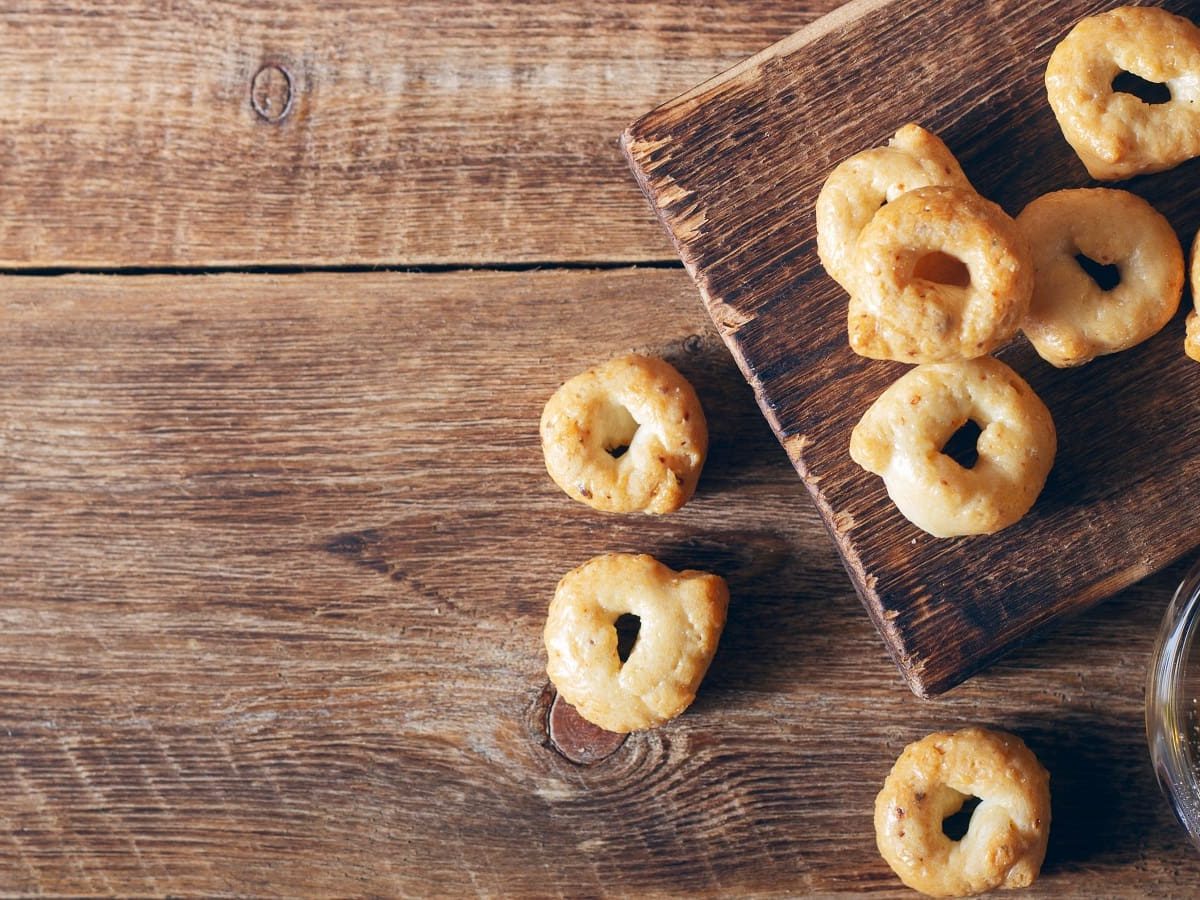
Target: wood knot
[
  {"x": 271, "y": 93},
  {"x": 577, "y": 739}
]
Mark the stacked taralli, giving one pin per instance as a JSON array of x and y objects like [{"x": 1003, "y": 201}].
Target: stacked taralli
[
  {"x": 857, "y": 188},
  {"x": 938, "y": 276}
]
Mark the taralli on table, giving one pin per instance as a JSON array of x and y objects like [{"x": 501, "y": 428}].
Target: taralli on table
[
  {"x": 1005, "y": 843},
  {"x": 861, "y": 184},
  {"x": 1071, "y": 319},
  {"x": 1117, "y": 134},
  {"x": 906, "y": 305},
  {"x": 681, "y": 617},
  {"x": 902, "y": 435},
  {"x": 1191, "y": 343},
  {"x": 634, "y": 402}
]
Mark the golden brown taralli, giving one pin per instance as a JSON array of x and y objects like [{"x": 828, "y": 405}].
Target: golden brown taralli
[
  {"x": 1191, "y": 343},
  {"x": 862, "y": 183},
  {"x": 901, "y": 436},
  {"x": 900, "y": 306},
  {"x": 1116, "y": 134},
  {"x": 1005, "y": 842},
  {"x": 682, "y": 615},
  {"x": 634, "y": 402},
  {"x": 1071, "y": 319}
]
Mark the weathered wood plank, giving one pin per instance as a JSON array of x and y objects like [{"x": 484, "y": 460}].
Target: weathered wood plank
[
  {"x": 417, "y": 132},
  {"x": 734, "y": 169},
  {"x": 276, "y": 554}
]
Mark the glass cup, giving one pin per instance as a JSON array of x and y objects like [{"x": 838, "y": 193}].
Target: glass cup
[{"x": 1173, "y": 704}]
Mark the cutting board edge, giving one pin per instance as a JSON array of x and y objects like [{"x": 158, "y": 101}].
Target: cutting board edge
[
  {"x": 1033, "y": 629},
  {"x": 864, "y": 585}
]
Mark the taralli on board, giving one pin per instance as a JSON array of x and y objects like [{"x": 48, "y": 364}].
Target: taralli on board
[
  {"x": 1116, "y": 134},
  {"x": 682, "y": 615},
  {"x": 1005, "y": 844},
  {"x": 902, "y": 435},
  {"x": 1071, "y": 319},
  {"x": 861, "y": 184},
  {"x": 903, "y": 307},
  {"x": 634, "y": 402},
  {"x": 1191, "y": 343}
]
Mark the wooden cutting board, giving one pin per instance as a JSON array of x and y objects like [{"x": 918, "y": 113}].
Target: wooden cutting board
[{"x": 733, "y": 169}]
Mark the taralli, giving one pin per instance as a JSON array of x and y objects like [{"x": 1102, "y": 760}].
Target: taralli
[
  {"x": 902, "y": 307},
  {"x": 1005, "y": 844},
  {"x": 681, "y": 613},
  {"x": 1117, "y": 134},
  {"x": 902, "y": 435},
  {"x": 861, "y": 184},
  {"x": 1071, "y": 319},
  {"x": 1191, "y": 343},
  {"x": 633, "y": 402}
]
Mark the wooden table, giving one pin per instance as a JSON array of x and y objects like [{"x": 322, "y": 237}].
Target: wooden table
[{"x": 286, "y": 286}]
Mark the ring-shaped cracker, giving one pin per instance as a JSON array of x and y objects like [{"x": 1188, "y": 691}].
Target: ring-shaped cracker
[
  {"x": 897, "y": 312},
  {"x": 1116, "y": 134},
  {"x": 682, "y": 615},
  {"x": 902, "y": 435},
  {"x": 1005, "y": 843},
  {"x": 1071, "y": 319},
  {"x": 637, "y": 402},
  {"x": 1191, "y": 343},
  {"x": 862, "y": 183}
]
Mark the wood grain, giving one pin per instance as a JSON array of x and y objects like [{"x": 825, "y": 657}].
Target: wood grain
[
  {"x": 417, "y": 133},
  {"x": 276, "y": 553},
  {"x": 734, "y": 168}
]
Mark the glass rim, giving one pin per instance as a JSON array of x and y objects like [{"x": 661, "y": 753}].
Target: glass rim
[{"x": 1166, "y": 719}]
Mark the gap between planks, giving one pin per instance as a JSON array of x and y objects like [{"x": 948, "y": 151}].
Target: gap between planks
[{"x": 347, "y": 269}]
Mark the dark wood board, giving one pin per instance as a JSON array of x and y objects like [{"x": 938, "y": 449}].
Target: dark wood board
[{"x": 733, "y": 169}]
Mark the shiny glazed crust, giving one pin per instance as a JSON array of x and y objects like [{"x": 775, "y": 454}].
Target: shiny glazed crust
[
  {"x": 901, "y": 436},
  {"x": 1006, "y": 841},
  {"x": 895, "y": 314},
  {"x": 637, "y": 402},
  {"x": 682, "y": 615},
  {"x": 862, "y": 183},
  {"x": 1116, "y": 134},
  {"x": 1071, "y": 320}
]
